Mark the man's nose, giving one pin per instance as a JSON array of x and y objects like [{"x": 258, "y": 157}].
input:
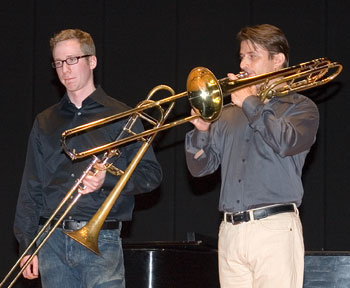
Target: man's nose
[
  {"x": 244, "y": 64},
  {"x": 65, "y": 67}
]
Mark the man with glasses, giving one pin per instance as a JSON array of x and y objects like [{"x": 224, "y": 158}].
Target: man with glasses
[{"x": 49, "y": 174}]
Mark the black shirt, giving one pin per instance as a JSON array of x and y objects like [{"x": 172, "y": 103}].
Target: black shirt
[{"x": 49, "y": 173}]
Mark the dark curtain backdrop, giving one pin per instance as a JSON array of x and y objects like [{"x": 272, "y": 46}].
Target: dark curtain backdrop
[{"x": 141, "y": 44}]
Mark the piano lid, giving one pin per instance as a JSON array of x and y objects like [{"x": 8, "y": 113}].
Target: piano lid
[{"x": 187, "y": 264}]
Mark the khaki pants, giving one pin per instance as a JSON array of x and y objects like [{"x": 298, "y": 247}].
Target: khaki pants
[{"x": 266, "y": 253}]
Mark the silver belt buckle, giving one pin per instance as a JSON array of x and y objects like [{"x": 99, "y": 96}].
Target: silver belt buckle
[{"x": 64, "y": 224}]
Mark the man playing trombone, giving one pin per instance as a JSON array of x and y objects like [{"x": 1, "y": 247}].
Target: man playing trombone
[
  {"x": 49, "y": 174},
  {"x": 261, "y": 148}
]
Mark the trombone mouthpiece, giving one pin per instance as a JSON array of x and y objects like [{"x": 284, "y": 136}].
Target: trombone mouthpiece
[{"x": 242, "y": 74}]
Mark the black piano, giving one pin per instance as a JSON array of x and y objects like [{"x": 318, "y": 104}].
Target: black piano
[
  {"x": 188, "y": 264},
  {"x": 193, "y": 264}
]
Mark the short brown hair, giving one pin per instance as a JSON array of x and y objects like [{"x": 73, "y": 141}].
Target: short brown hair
[
  {"x": 267, "y": 36},
  {"x": 86, "y": 42}
]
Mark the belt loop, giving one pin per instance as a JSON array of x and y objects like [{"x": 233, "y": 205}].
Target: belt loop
[
  {"x": 63, "y": 224},
  {"x": 251, "y": 215},
  {"x": 225, "y": 215},
  {"x": 296, "y": 210}
]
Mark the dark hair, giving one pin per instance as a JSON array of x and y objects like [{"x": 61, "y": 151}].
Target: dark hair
[
  {"x": 267, "y": 36},
  {"x": 86, "y": 43}
]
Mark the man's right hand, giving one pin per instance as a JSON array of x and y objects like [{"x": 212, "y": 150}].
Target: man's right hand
[
  {"x": 199, "y": 123},
  {"x": 32, "y": 270},
  {"x": 238, "y": 96}
]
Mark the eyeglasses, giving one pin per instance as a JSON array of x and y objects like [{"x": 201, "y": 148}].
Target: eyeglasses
[{"x": 69, "y": 61}]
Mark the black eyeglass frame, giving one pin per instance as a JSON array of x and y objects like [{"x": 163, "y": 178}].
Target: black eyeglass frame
[{"x": 53, "y": 64}]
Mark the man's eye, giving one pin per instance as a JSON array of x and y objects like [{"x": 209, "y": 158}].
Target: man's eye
[
  {"x": 252, "y": 56},
  {"x": 71, "y": 59}
]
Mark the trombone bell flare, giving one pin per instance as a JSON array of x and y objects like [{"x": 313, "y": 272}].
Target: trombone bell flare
[{"x": 204, "y": 93}]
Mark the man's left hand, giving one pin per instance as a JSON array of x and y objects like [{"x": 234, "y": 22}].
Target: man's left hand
[{"x": 94, "y": 180}]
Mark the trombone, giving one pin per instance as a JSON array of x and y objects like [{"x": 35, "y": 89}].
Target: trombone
[{"x": 205, "y": 94}]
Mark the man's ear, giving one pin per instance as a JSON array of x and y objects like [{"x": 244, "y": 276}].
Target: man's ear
[
  {"x": 92, "y": 62},
  {"x": 278, "y": 60}
]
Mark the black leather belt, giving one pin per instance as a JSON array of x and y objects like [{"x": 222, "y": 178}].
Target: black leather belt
[
  {"x": 68, "y": 224},
  {"x": 259, "y": 213}
]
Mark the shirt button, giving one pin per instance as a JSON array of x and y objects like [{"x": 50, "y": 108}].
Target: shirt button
[
  {"x": 243, "y": 160},
  {"x": 79, "y": 113},
  {"x": 239, "y": 180},
  {"x": 72, "y": 175},
  {"x": 238, "y": 201},
  {"x": 70, "y": 217}
]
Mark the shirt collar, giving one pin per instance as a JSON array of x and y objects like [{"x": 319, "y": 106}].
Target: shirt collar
[{"x": 95, "y": 97}]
